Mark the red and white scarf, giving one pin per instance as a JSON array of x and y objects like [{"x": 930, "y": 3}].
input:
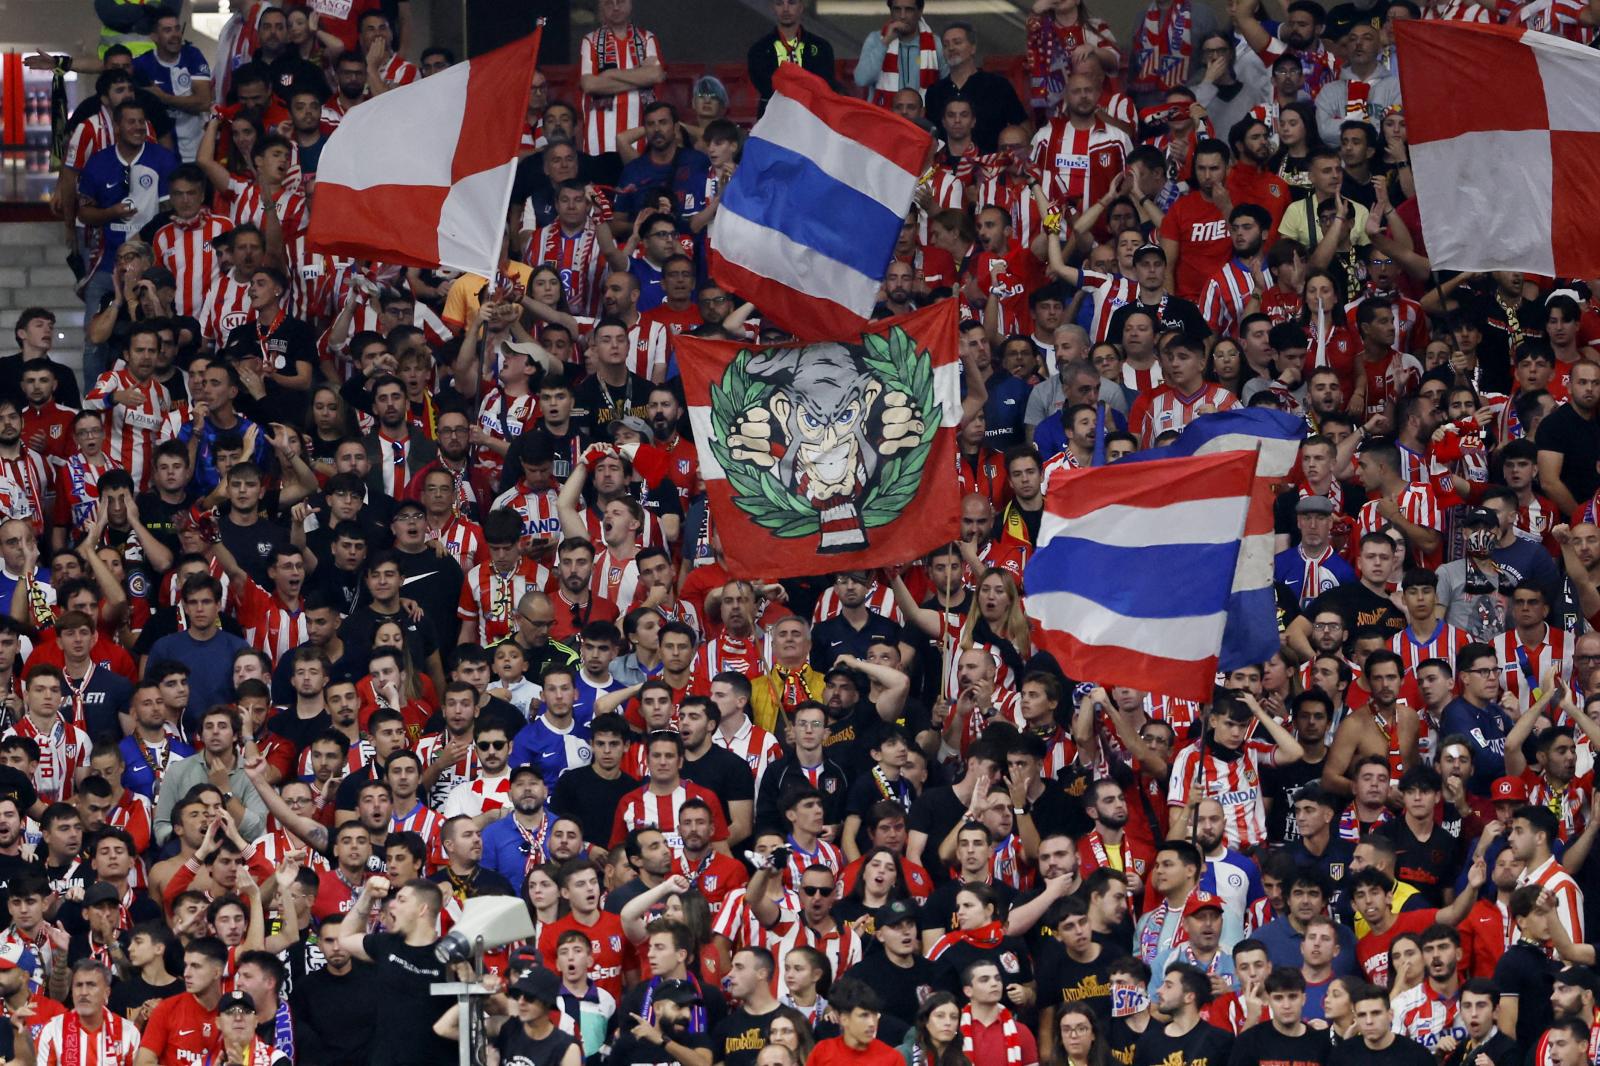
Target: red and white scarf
[
  {"x": 1163, "y": 44},
  {"x": 889, "y": 79},
  {"x": 984, "y": 938},
  {"x": 1008, "y": 1030}
]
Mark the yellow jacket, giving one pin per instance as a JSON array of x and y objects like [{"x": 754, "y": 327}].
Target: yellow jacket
[{"x": 766, "y": 696}]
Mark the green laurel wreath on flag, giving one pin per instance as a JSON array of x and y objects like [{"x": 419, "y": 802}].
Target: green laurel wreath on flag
[{"x": 901, "y": 367}]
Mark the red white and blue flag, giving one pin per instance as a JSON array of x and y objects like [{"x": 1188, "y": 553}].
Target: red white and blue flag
[
  {"x": 808, "y": 223},
  {"x": 1274, "y": 437},
  {"x": 1131, "y": 579}
]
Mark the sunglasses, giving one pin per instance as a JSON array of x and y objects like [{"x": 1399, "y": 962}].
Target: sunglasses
[
  {"x": 816, "y": 890},
  {"x": 492, "y": 745}
]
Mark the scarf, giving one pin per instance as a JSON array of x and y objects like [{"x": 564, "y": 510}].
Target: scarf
[
  {"x": 1350, "y": 823},
  {"x": 535, "y": 842},
  {"x": 697, "y": 1013},
  {"x": 1163, "y": 44},
  {"x": 1150, "y": 932},
  {"x": 107, "y": 1036},
  {"x": 609, "y": 50},
  {"x": 890, "y": 79},
  {"x": 984, "y": 938},
  {"x": 283, "y": 1030},
  {"x": 1050, "y": 48},
  {"x": 1008, "y": 1030}
]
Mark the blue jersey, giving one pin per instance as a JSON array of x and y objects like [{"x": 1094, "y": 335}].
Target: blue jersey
[
  {"x": 178, "y": 79},
  {"x": 1308, "y": 580},
  {"x": 588, "y": 692},
  {"x": 138, "y": 775},
  {"x": 551, "y": 752},
  {"x": 107, "y": 180}
]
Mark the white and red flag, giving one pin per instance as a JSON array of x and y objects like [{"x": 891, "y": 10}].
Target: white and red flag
[
  {"x": 421, "y": 175},
  {"x": 1506, "y": 155}
]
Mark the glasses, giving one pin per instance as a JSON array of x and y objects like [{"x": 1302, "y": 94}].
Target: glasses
[
  {"x": 1075, "y": 1030},
  {"x": 1327, "y": 626},
  {"x": 537, "y": 623},
  {"x": 1483, "y": 671},
  {"x": 817, "y": 890},
  {"x": 1586, "y": 658},
  {"x": 492, "y": 745},
  {"x": 454, "y": 431}
]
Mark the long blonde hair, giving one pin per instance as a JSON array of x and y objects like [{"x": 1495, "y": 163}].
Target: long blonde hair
[{"x": 1012, "y": 627}]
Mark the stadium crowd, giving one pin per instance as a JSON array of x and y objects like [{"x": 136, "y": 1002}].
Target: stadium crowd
[{"x": 338, "y": 594}]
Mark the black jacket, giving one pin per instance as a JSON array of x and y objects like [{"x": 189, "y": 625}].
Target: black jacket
[
  {"x": 784, "y": 774},
  {"x": 816, "y": 56}
]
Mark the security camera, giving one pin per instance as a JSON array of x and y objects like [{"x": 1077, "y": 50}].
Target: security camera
[{"x": 486, "y": 923}]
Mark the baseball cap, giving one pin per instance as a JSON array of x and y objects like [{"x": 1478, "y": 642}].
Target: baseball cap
[
  {"x": 1201, "y": 901},
  {"x": 160, "y": 277},
  {"x": 707, "y": 85},
  {"x": 1509, "y": 790},
  {"x": 1580, "y": 976},
  {"x": 900, "y": 910},
  {"x": 638, "y": 425},
  {"x": 1149, "y": 249},
  {"x": 1314, "y": 505},
  {"x": 101, "y": 892},
  {"x": 15, "y": 955},
  {"x": 539, "y": 985},
  {"x": 525, "y": 768},
  {"x": 236, "y": 1000},
  {"x": 1479, "y": 516}
]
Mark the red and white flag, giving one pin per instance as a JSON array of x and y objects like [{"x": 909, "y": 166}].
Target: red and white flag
[
  {"x": 1507, "y": 158},
  {"x": 421, "y": 175}
]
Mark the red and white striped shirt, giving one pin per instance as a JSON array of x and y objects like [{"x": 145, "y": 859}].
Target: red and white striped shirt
[
  {"x": 577, "y": 256},
  {"x": 1078, "y": 165},
  {"x": 1107, "y": 292},
  {"x": 538, "y": 510},
  {"x": 244, "y": 206},
  {"x": 1569, "y": 897},
  {"x": 737, "y": 919},
  {"x": 1523, "y": 665},
  {"x": 421, "y": 820},
  {"x": 1570, "y": 805},
  {"x": 824, "y": 854},
  {"x": 1225, "y": 296},
  {"x": 643, "y": 807},
  {"x": 880, "y": 600},
  {"x": 268, "y": 625},
  {"x": 475, "y": 797},
  {"x": 1016, "y": 198},
  {"x": 742, "y": 655},
  {"x": 1457, "y": 11},
  {"x": 1418, "y": 505},
  {"x": 184, "y": 247},
  {"x": 647, "y": 349},
  {"x": 1166, "y": 408},
  {"x": 131, "y": 442},
  {"x": 114, "y": 1043},
  {"x": 842, "y": 946},
  {"x": 606, "y": 116},
  {"x": 227, "y": 304},
  {"x": 616, "y": 580},
  {"x": 272, "y": 847},
  {"x": 61, "y": 754},
  {"x": 1423, "y": 1015},
  {"x": 489, "y": 598},
  {"x": 24, "y": 479},
  {"x": 398, "y": 71},
  {"x": 1235, "y": 784},
  {"x": 503, "y": 418},
  {"x": 1443, "y": 643},
  {"x": 754, "y": 745}
]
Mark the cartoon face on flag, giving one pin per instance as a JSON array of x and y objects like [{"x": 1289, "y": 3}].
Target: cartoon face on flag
[{"x": 834, "y": 449}]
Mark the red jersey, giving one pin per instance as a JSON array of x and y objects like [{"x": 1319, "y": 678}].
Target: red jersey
[
  {"x": 613, "y": 955},
  {"x": 577, "y": 256},
  {"x": 1227, "y": 291},
  {"x": 608, "y": 115},
  {"x": 1166, "y": 408},
  {"x": 1522, "y": 665},
  {"x": 181, "y": 1032},
  {"x": 643, "y": 807},
  {"x": 1442, "y": 642},
  {"x": 227, "y": 304},
  {"x": 489, "y": 598},
  {"x": 1372, "y": 950},
  {"x": 1010, "y": 276},
  {"x": 131, "y": 436},
  {"x": 268, "y": 625},
  {"x": 1079, "y": 165},
  {"x": 715, "y": 876},
  {"x": 1201, "y": 232}
]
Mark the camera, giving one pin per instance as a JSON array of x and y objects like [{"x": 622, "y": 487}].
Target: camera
[{"x": 486, "y": 923}]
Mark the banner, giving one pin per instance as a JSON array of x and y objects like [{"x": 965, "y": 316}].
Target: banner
[{"x": 836, "y": 455}]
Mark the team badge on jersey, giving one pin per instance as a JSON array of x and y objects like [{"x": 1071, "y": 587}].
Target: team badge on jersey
[
  {"x": 711, "y": 883},
  {"x": 616, "y": 943},
  {"x": 1008, "y": 962}
]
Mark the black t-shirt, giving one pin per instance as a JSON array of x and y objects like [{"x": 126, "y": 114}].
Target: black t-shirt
[
  {"x": 902, "y": 989},
  {"x": 1121, "y": 1038},
  {"x": 1403, "y": 1051},
  {"x": 517, "y": 1048},
  {"x": 595, "y": 404},
  {"x": 935, "y": 813},
  {"x": 1529, "y": 974},
  {"x": 1010, "y": 956},
  {"x": 253, "y": 545},
  {"x": 724, "y": 773},
  {"x": 363, "y": 622},
  {"x": 589, "y": 798},
  {"x": 851, "y": 738},
  {"x": 1430, "y": 867},
  {"x": 403, "y": 1025},
  {"x": 1359, "y": 606},
  {"x": 1280, "y": 785},
  {"x": 13, "y": 865},
  {"x": 625, "y": 1048},
  {"x": 160, "y": 517},
  {"x": 939, "y": 909},
  {"x": 1063, "y": 980},
  {"x": 1174, "y": 313},
  {"x": 1204, "y": 1045},
  {"x": 1263, "y": 1045},
  {"x": 127, "y": 993},
  {"x": 739, "y": 1038},
  {"x": 292, "y": 344},
  {"x": 299, "y": 731},
  {"x": 1577, "y": 439},
  {"x": 434, "y": 581}
]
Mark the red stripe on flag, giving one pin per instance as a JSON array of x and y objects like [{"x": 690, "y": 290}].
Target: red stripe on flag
[
  {"x": 487, "y": 129},
  {"x": 1179, "y": 678},
  {"x": 386, "y": 210},
  {"x": 1075, "y": 493},
  {"x": 1575, "y": 210},
  {"x": 803, "y": 315},
  {"x": 875, "y": 128},
  {"x": 1458, "y": 77}
]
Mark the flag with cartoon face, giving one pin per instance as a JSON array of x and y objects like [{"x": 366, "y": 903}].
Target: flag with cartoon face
[{"x": 840, "y": 453}]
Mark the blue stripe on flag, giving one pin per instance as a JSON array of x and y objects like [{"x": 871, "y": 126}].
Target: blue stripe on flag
[
  {"x": 1156, "y": 582},
  {"x": 799, "y": 199},
  {"x": 1251, "y": 635}
]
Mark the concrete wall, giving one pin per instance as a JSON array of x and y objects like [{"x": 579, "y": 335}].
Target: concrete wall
[{"x": 33, "y": 272}]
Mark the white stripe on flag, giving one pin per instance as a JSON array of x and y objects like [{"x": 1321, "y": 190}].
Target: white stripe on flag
[
  {"x": 1499, "y": 220},
  {"x": 947, "y": 392},
  {"x": 1254, "y": 570},
  {"x": 1570, "y": 73},
  {"x": 1193, "y": 638},
  {"x": 1209, "y": 521},
  {"x": 371, "y": 147},
  {"x": 700, "y": 426},
  {"x": 1276, "y": 457},
  {"x": 469, "y": 237},
  {"x": 796, "y": 266},
  {"x": 791, "y": 125}
]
